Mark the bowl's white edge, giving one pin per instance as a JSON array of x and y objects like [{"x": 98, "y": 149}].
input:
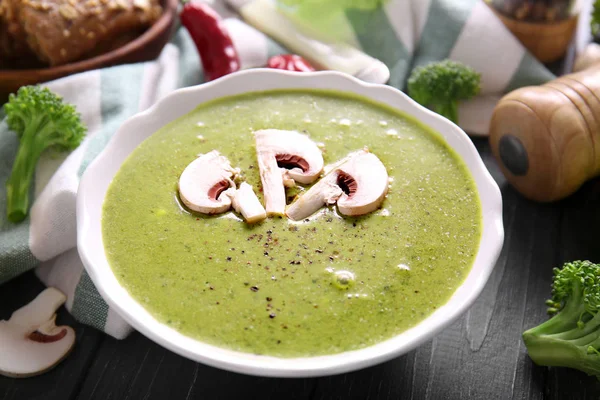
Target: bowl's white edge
[{"x": 92, "y": 253}]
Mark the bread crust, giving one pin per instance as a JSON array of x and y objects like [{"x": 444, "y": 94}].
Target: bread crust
[
  {"x": 58, "y": 32},
  {"x": 13, "y": 42},
  {"x": 62, "y": 31}
]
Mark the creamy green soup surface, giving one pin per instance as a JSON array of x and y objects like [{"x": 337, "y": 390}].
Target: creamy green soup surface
[{"x": 272, "y": 288}]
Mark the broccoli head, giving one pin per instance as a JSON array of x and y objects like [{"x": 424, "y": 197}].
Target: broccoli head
[
  {"x": 42, "y": 121},
  {"x": 571, "y": 338},
  {"x": 595, "y": 20},
  {"x": 441, "y": 85}
]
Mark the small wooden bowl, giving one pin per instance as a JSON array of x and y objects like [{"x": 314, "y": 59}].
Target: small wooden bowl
[
  {"x": 548, "y": 42},
  {"x": 145, "y": 47}
]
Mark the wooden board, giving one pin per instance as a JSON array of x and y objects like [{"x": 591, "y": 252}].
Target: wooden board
[{"x": 479, "y": 357}]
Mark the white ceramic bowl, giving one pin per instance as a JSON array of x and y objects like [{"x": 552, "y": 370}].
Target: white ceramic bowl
[{"x": 101, "y": 171}]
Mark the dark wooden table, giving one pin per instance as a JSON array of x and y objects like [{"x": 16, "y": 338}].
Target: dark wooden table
[{"x": 481, "y": 356}]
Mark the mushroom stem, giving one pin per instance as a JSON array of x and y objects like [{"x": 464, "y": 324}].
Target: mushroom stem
[
  {"x": 30, "y": 341},
  {"x": 245, "y": 201},
  {"x": 284, "y": 158},
  {"x": 326, "y": 191},
  {"x": 272, "y": 182}
]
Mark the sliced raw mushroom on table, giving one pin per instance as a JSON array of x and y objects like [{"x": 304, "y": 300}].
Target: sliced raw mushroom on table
[
  {"x": 206, "y": 186},
  {"x": 358, "y": 184},
  {"x": 30, "y": 341},
  {"x": 285, "y": 158}
]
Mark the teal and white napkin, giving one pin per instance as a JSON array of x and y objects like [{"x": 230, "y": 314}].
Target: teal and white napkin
[{"x": 403, "y": 34}]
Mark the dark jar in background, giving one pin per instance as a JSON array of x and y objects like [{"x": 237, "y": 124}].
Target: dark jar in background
[
  {"x": 535, "y": 10},
  {"x": 544, "y": 27}
]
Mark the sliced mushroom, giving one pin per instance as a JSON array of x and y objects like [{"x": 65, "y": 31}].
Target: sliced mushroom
[
  {"x": 30, "y": 342},
  {"x": 364, "y": 181},
  {"x": 285, "y": 157},
  {"x": 202, "y": 183},
  {"x": 358, "y": 185},
  {"x": 246, "y": 202},
  {"x": 326, "y": 191}
]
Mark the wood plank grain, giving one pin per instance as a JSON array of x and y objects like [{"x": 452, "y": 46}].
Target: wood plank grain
[
  {"x": 481, "y": 356},
  {"x": 63, "y": 381},
  {"x": 137, "y": 368},
  {"x": 580, "y": 240},
  {"x": 488, "y": 367},
  {"x": 390, "y": 380}
]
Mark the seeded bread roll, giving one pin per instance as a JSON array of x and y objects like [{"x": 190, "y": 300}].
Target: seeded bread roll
[
  {"x": 62, "y": 31},
  {"x": 4, "y": 41},
  {"x": 13, "y": 43}
]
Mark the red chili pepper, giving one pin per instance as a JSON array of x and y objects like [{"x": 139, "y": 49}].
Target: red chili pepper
[
  {"x": 290, "y": 62},
  {"x": 217, "y": 53}
]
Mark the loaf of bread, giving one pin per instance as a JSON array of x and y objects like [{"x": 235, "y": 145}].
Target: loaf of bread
[
  {"x": 62, "y": 31},
  {"x": 58, "y": 32}
]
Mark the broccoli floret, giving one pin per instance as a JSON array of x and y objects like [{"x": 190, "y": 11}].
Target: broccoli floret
[
  {"x": 571, "y": 338},
  {"x": 42, "y": 121},
  {"x": 595, "y": 20},
  {"x": 441, "y": 85}
]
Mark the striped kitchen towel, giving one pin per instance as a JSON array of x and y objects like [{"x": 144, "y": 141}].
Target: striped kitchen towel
[{"x": 403, "y": 34}]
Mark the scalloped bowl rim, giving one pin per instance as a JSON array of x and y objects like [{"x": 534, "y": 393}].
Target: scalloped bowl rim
[{"x": 132, "y": 132}]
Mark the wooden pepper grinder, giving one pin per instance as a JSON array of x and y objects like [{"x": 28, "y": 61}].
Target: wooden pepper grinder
[{"x": 547, "y": 138}]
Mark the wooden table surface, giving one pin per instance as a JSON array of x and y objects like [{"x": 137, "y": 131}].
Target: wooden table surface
[{"x": 481, "y": 356}]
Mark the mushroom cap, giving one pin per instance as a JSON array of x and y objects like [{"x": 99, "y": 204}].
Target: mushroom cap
[
  {"x": 293, "y": 151},
  {"x": 365, "y": 182},
  {"x": 202, "y": 183},
  {"x": 30, "y": 342}
]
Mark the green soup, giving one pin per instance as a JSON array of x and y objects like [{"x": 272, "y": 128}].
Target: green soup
[{"x": 271, "y": 288}]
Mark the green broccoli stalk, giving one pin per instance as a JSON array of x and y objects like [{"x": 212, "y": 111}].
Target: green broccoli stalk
[
  {"x": 441, "y": 85},
  {"x": 571, "y": 338},
  {"x": 42, "y": 121}
]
